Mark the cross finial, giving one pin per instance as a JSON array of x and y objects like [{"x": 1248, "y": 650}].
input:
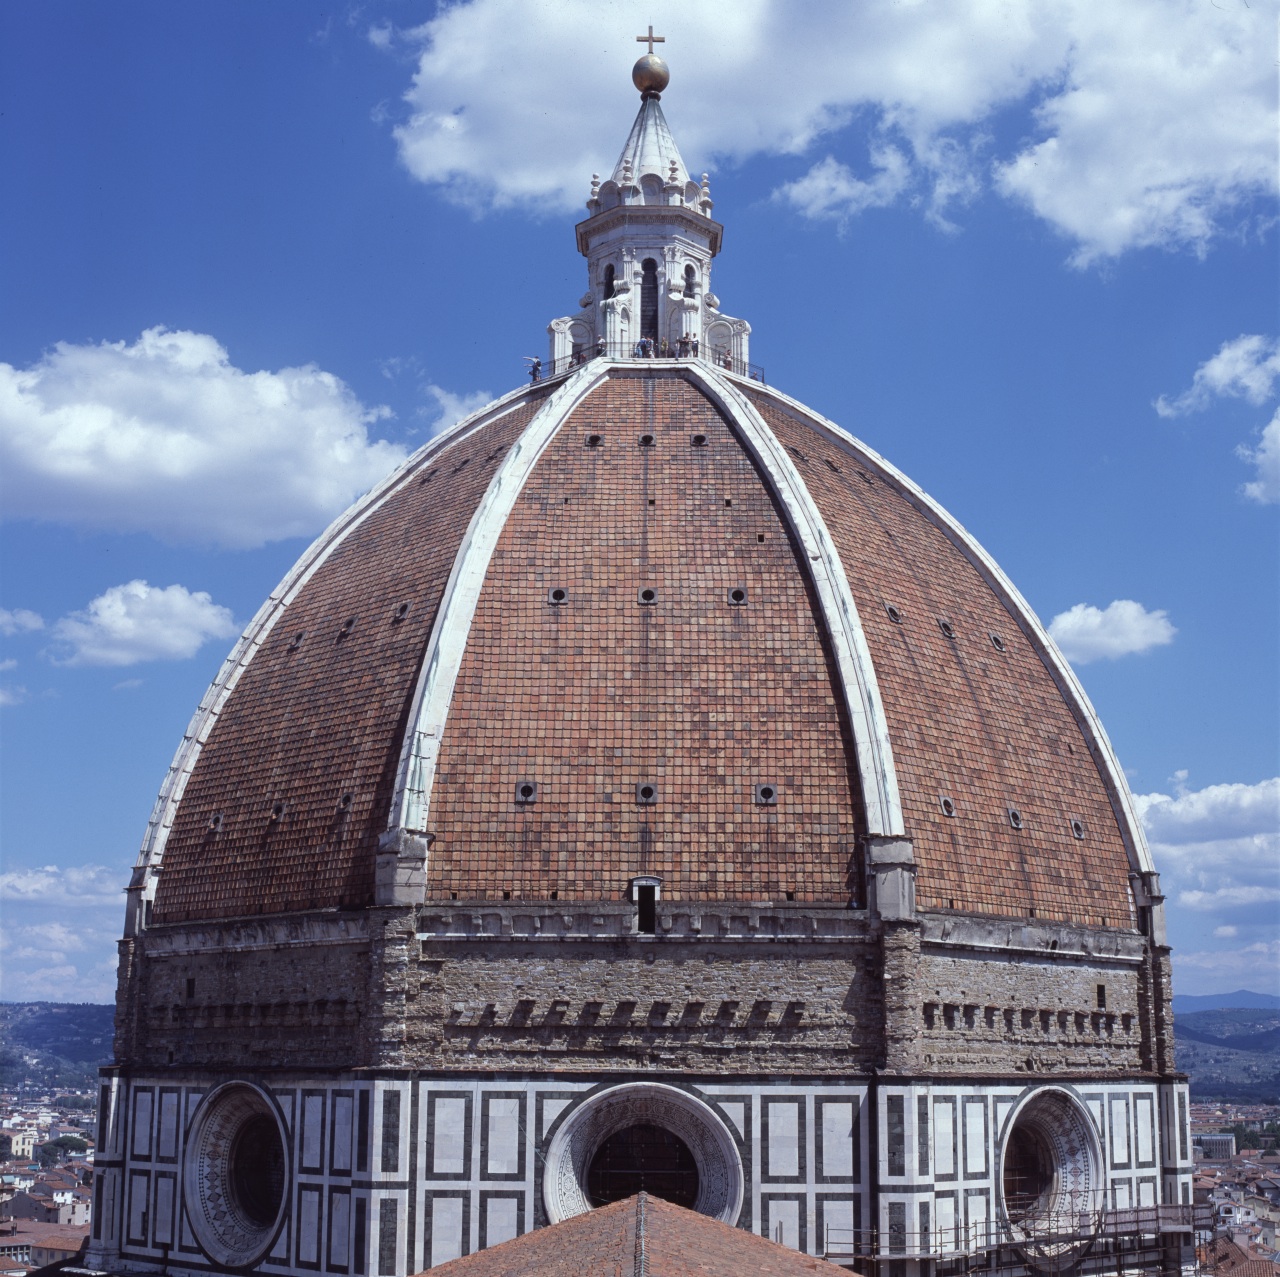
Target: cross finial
[{"x": 651, "y": 39}]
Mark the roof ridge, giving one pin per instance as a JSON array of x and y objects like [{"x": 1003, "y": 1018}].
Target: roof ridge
[{"x": 642, "y": 1257}]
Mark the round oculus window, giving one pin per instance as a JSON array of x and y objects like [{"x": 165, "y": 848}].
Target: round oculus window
[
  {"x": 643, "y": 1137},
  {"x": 237, "y": 1174},
  {"x": 1051, "y": 1178}
]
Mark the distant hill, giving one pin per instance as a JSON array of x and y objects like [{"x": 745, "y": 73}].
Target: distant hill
[
  {"x": 1230, "y": 1053},
  {"x": 54, "y": 1044},
  {"x": 1242, "y": 1000}
]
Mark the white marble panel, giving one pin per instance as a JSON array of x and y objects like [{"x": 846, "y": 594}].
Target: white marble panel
[
  {"x": 783, "y": 1153},
  {"x": 504, "y": 1136},
  {"x": 446, "y": 1229},
  {"x": 837, "y": 1140},
  {"x": 450, "y": 1133},
  {"x": 501, "y": 1220}
]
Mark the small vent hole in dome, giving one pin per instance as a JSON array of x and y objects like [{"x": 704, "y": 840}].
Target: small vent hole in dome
[
  {"x": 277, "y": 810},
  {"x": 948, "y": 807},
  {"x": 526, "y": 792},
  {"x": 1077, "y": 828},
  {"x": 997, "y": 642},
  {"x": 766, "y": 795},
  {"x": 698, "y": 441},
  {"x": 344, "y": 802},
  {"x": 646, "y": 441},
  {"x": 795, "y": 452},
  {"x": 594, "y": 441},
  {"x": 431, "y": 474},
  {"x": 646, "y": 793},
  {"x": 401, "y": 612},
  {"x": 215, "y": 821},
  {"x": 738, "y": 596},
  {"x": 1015, "y": 817},
  {"x": 646, "y": 596},
  {"x": 947, "y": 628},
  {"x": 557, "y": 595},
  {"x": 296, "y": 641},
  {"x": 345, "y": 628},
  {"x": 893, "y": 614},
  {"x": 728, "y": 501},
  {"x": 865, "y": 477},
  {"x": 831, "y": 465},
  {"x": 760, "y": 538},
  {"x": 652, "y": 501}
]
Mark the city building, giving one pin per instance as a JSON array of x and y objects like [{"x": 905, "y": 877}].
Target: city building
[{"x": 646, "y": 788}]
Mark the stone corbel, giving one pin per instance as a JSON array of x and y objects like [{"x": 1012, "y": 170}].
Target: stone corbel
[
  {"x": 400, "y": 873},
  {"x": 1147, "y": 895},
  {"x": 891, "y": 876},
  {"x": 135, "y": 904}
]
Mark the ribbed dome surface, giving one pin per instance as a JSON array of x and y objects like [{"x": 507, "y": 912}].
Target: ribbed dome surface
[{"x": 699, "y": 695}]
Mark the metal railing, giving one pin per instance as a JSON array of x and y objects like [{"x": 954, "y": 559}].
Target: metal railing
[
  {"x": 642, "y": 352},
  {"x": 1062, "y": 1237}
]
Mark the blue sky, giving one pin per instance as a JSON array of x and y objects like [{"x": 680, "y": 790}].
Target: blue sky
[{"x": 255, "y": 253}]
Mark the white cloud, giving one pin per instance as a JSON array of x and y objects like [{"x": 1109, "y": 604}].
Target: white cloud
[
  {"x": 12, "y": 695},
  {"x": 1222, "y": 970},
  {"x": 19, "y": 621},
  {"x": 1217, "y": 851},
  {"x": 60, "y": 928},
  {"x": 1153, "y": 120},
  {"x": 75, "y": 887},
  {"x": 830, "y": 190},
  {"x": 451, "y": 408},
  {"x": 140, "y": 622},
  {"x": 1123, "y": 628},
  {"x": 1265, "y": 489},
  {"x": 8, "y": 664},
  {"x": 167, "y": 436},
  {"x": 1244, "y": 368}
]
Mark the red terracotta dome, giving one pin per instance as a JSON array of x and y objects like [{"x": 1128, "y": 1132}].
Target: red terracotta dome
[{"x": 825, "y": 656}]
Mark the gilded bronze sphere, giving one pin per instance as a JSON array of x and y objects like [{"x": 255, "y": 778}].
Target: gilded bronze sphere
[{"x": 650, "y": 74}]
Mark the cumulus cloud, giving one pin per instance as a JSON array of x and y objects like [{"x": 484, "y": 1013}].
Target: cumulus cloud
[
  {"x": 1218, "y": 848},
  {"x": 19, "y": 621},
  {"x": 60, "y": 928},
  {"x": 12, "y": 695},
  {"x": 1150, "y": 123},
  {"x": 1265, "y": 489},
  {"x": 75, "y": 886},
  {"x": 1123, "y": 628},
  {"x": 8, "y": 664},
  {"x": 448, "y": 408},
  {"x": 830, "y": 189},
  {"x": 1218, "y": 970},
  {"x": 139, "y": 622},
  {"x": 1244, "y": 368},
  {"x": 167, "y": 436}
]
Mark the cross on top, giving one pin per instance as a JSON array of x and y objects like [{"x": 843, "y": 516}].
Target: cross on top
[{"x": 651, "y": 39}]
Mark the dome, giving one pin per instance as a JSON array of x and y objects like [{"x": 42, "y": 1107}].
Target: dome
[
  {"x": 645, "y": 573},
  {"x": 646, "y": 787}
]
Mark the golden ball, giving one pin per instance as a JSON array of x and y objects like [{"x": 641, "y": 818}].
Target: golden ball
[{"x": 650, "y": 74}]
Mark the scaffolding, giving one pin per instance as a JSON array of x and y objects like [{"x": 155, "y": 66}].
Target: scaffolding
[{"x": 1087, "y": 1241}]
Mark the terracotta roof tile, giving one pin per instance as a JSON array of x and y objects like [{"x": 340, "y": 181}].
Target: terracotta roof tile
[
  {"x": 987, "y": 728},
  {"x": 642, "y": 1236}
]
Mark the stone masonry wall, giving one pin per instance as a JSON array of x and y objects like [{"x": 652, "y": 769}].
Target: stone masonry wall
[
  {"x": 738, "y": 1009},
  {"x": 293, "y": 1006},
  {"x": 1028, "y": 1014}
]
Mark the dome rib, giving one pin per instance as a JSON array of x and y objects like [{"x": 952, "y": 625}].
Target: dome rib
[
  {"x": 145, "y": 876},
  {"x": 862, "y": 703},
  {"x": 1068, "y": 685}
]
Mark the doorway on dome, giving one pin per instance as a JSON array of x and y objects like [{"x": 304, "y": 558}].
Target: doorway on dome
[
  {"x": 649, "y": 299},
  {"x": 643, "y": 1159}
]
